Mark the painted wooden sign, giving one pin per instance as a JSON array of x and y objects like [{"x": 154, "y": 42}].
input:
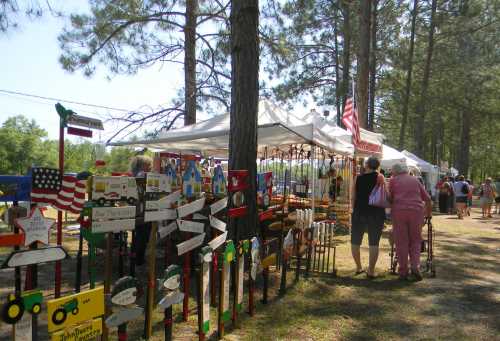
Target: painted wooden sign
[
  {"x": 163, "y": 203},
  {"x": 191, "y": 208},
  {"x": 198, "y": 216},
  {"x": 12, "y": 239},
  {"x": 114, "y": 188},
  {"x": 218, "y": 206},
  {"x": 255, "y": 257},
  {"x": 166, "y": 214},
  {"x": 79, "y": 132},
  {"x": 165, "y": 230},
  {"x": 109, "y": 213},
  {"x": 13, "y": 310},
  {"x": 113, "y": 226},
  {"x": 23, "y": 330},
  {"x": 87, "y": 122},
  {"x": 217, "y": 224},
  {"x": 218, "y": 182},
  {"x": 242, "y": 250},
  {"x": 217, "y": 241},
  {"x": 35, "y": 256},
  {"x": 36, "y": 227},
  {"x": 173, "y": 297},
  {"x": 237, "y": 183},
  {"x": 269, "y": 252},
  {"x": 74, "y": 309},
  {"x": 228, "y": 256},
  {"x": 190, "y": 226},
  {"x": 123, "y": 315},
  {"x": 191, "y": 181},
  {"x": 190, "y": 244},
  {"x": 156, "y": 183},
  {"x": 172, "y": 277},
  {"x": 205, "y": 258},
  {"x": 90, "y": 330},
  {"x": 124, "y": 291}
]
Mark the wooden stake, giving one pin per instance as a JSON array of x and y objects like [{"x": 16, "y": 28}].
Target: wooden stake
[{"x": 150, "y": 296}]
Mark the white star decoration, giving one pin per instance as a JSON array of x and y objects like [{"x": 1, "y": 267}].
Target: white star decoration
[{"x": 35, "y": 227}]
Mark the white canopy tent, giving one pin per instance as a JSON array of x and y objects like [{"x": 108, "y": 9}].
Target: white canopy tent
[
  {"x": 276, "y": 127},
  {"x": 391, "y": 156},
  {"x": 430, "y": 171}
]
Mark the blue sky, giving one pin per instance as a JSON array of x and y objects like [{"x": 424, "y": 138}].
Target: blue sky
[{"x": 29, "y": 64}]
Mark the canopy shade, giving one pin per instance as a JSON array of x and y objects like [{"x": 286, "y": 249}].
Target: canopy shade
[
  {"x": 422, "y": 164},
  {"x": 276, "y": 127},
  {"x": 391, "y": 156}
]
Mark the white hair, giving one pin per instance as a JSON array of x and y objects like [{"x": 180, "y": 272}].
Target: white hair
[{"x": 399, "y": 168}]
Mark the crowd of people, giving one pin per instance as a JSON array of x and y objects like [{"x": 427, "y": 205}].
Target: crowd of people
[
  {"x": 456, "y": 195},
  {"x": 409, "y": 205}
]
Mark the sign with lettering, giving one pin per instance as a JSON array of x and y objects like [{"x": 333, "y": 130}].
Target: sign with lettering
[
  {"x": 166, "y": 214},
  {"x": 23, "y": 329},
  {"x": 87, "y": 122},
  {"x": 217, "y": 241},
  {"x": 190, "y": 226},
  {"x": 86, "y": 331},
  {"x": 123, "y": 212},
  {"x": 163, "y": 203},
  {"x": 123, "y": 315},
  {"x": 217, "y": 224},
  {"x": 165, "y": 230},
  {"x": 113, "y": 226},
  {"x": 191, "y": 208},
  {"x": 124, "y": 291},
  {"x": 36, "y": 227},
  {"x": 173, "y": 297},
  {"x": 205, "y": 258},
  {"x": 190, "y": 244},
  {"x": 218, "y": 206},
  {"x": 35, "y": 256},
  {"x": 68, "y": 311}
]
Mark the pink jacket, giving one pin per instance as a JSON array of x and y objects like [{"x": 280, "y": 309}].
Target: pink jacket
[{"x": 407, "y": 193}]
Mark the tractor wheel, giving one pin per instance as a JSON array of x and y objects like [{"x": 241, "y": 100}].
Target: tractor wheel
[
  {"x": 13, "y": 311},
  {"x": 101, "y": 201},
  {"x": 59, "y": 316},
  {"x": 36, "y": 309},
  {"x": 131, "y": 201}
]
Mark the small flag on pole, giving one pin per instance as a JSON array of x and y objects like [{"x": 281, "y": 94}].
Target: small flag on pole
[{"x": 350, "y": 120}]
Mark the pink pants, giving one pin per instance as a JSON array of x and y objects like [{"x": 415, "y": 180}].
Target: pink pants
[{"x": 407, "y": 233}]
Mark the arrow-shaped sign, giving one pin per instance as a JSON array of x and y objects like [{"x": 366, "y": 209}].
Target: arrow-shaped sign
[
  {"x": 113, "y": 226},
  {"x": 123, "y": 315},
  {"x": 166, "y": 214},
  {"x": 218, "y": 241},
  {"x": 217, "y": 224},
  {"x": 190, "y": 226},
  {"x": 171, "y": 299},
  {"x": 164, "y": 231},
  {"x": 190, "y": 244},
  {"x": 218, "y": 206},
  {"x": 35, "y": 256},
  {"x": 165, "y": 202},
  {"x": 191, "y": 208}
]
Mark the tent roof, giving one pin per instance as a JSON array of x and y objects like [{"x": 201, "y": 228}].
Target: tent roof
[
  {"x": 276, "y": 127},
  {"x": 391, "y": 156},
  {"x": 422, "y": 164}
]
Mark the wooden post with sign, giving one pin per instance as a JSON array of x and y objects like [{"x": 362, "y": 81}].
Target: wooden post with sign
[
  {"x": 243, "y": 248},
  {"x": 204, "y": 293},
  {"x": 150, "y": 294},
  {"x": 225, "y": 279}
]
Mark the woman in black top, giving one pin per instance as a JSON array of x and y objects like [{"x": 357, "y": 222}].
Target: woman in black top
[{"x": 366, "y": 218}]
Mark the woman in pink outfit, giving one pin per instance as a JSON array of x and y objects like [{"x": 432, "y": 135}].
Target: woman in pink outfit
[{"x": 410, "y": 202}]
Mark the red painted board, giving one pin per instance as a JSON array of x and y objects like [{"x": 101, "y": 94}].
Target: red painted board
[
  {"x": 12, "y": 239},
  {"x": 79, "y": 132}
]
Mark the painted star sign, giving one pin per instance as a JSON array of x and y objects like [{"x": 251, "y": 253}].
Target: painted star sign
[{"x": 35, "y": 227}]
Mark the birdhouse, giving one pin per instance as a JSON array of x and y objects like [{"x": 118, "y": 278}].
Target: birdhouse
[
  {"x": 171, "y": 175},
  {"x": 191, "y": 181},
  {"x": 218, "y": 182}
]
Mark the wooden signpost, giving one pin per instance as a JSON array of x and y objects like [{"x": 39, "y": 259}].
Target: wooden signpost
[
  {"x": 269, "y": 254},
  {"x": 243, "y": 248},
  {"x": 227, "y": 257},
  {"x": 254, "y": 267},
  {"x": 35, "y": 256},
  {"x": 204, "y": 292},
  {"x": 171, "y": 283},
  {"x": 36, "y": 227}
]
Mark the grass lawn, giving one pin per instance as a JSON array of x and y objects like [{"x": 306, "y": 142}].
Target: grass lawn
[{"x": 461, "y": 303}]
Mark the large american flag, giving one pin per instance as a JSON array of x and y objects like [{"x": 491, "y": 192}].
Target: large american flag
[
  {"x": 350, "y": 120},
  {"x": 65, "y": 193}
]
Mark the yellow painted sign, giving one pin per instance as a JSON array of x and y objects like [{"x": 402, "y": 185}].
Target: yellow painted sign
[
  {"x": 74, "y": 309},
  {"x": 85, "y": 332}
]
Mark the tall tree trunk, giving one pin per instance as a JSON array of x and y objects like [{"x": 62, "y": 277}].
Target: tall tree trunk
[
  {"x": 346, "y": 53},
  {"x": 373, "y": 65},
  {"x": 244, "y": 105},
  {"x": 363, "y": 66},
  {"x": 337, "y": 73},
  {"x": 190, "y": 62},
  {"x": 421, "y": 107},
  {"x": 409, "y": 68}
]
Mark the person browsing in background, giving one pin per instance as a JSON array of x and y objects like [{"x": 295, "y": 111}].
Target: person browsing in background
[
  {"x": 461, "y": 189},
  {"x": 486, "y": 195},
  {"x": 410, "y": 203},
  {"x": 139, "y": 166},
  {"x": 497, "y": 196},
  {"x": 366, "y": 218},
  {"x": 469, "y": 196},
  {"x": 443, "y": 188}
]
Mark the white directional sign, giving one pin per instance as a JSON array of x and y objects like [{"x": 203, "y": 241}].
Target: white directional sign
[
  {"x": 170, "y": 299},
  {"x": 218, "y": 206},
  {"x": 218, "y": 241},
  {"x": 87, "y": 122},
  {"x": 191, "y": 208},
  {"x": 166, "y": 214},
  {"x": 165, "y": 202},
  {"x": 123, "y": 315},
  {"x": 123, "y": 212},
  {"x": 217, "y": 224},
  {"x": 113, "y": 226},
  {"x": 35, "y": 256},
  {"x": 164, "y": 231},
  {"x": 190, "y": 226},
  {"x": 35, "y": 227},
  {"x": 190, "y": 244}
]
